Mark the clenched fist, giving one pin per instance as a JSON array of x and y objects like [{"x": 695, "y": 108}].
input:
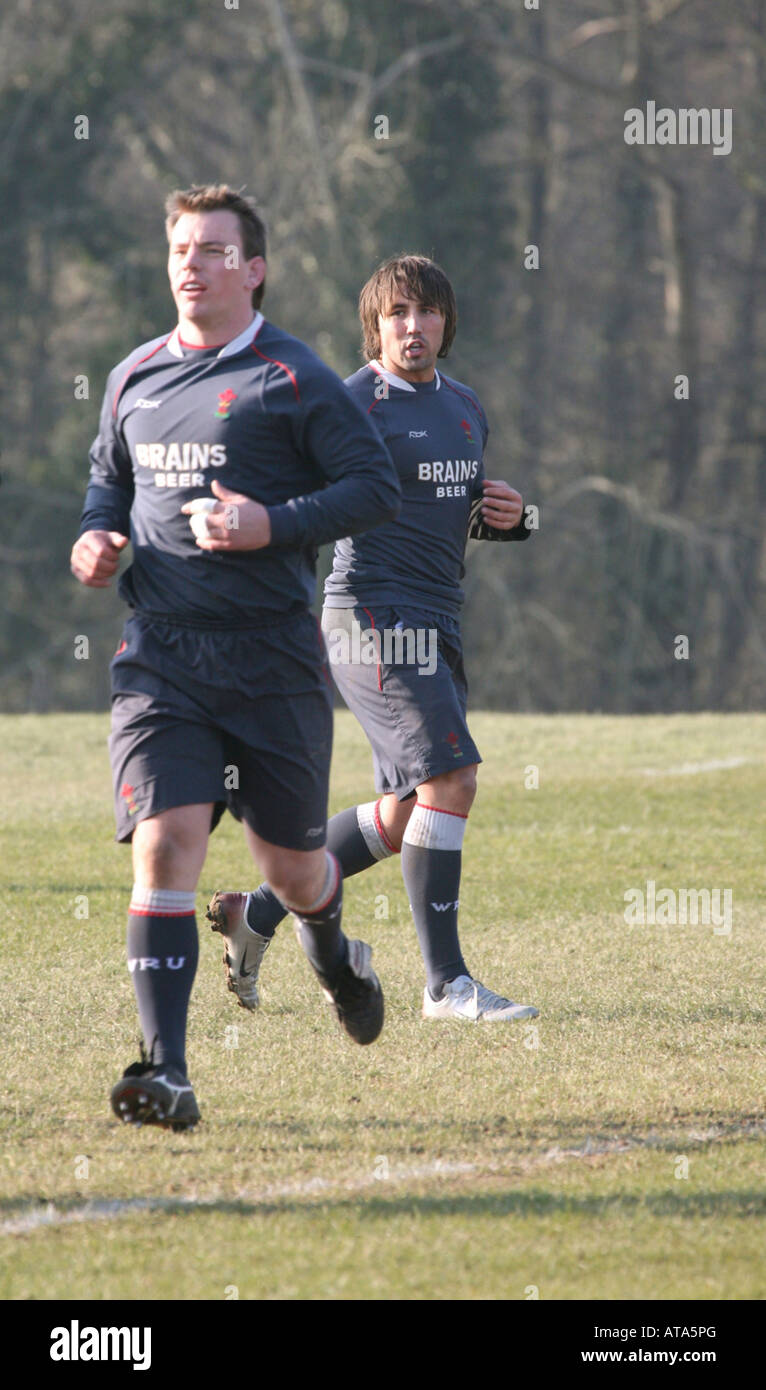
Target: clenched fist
[
  {"x": 95, "y": 557},
  {"x": 502, "y": 506}
]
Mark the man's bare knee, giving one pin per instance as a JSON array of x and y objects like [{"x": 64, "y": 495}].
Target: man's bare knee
[
  {"x": 297, "y": 877},
  {"x": 169, "y": 849},
  {"x": 159, "y": 850},
  {"x": 452, "y": 791},
  {"x": 161, "y": 843}
]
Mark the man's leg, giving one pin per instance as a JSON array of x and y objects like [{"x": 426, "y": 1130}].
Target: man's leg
[
  {"x": 310, "y": 885},
  {"x": 307, "y": 883},
  {"x": 168, "y": 853},
  {"x": 431, "y": 864},
  {"x": 359, "y": 837}
]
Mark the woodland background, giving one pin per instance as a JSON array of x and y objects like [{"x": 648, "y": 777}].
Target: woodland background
[{"x": 505, "y": 129}]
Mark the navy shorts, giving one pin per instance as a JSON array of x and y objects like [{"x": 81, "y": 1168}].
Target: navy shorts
[
  {"x": 239, "y": 718},
  {"x": 400, "y": 671}
]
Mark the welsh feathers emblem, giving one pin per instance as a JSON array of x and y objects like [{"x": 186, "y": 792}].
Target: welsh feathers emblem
[
  {"x": 126, "y": 792},
  {"x": 224, "y": 403}
]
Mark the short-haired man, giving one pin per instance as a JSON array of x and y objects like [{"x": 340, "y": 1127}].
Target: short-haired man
[
  {"x": 387, "y": 587},
  {"x": 220, "y": 687}
]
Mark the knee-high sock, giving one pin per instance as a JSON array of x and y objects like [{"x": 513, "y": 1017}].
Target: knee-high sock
[
  {"x": 162, "y": 958},
  {"x": 431, "y": 862},
  {"x": 357, "y": 839},
  {"x": 321, "y": 937}
]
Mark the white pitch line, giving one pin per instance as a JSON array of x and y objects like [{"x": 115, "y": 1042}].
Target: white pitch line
[
  {"x": 107, "y": 1210},
  {"x": 91, "y": 1211},
  {"x": 692, "y": 769},
  {"x": 657, "y": 1141}
]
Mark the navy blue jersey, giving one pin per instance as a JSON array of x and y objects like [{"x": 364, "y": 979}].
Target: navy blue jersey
[
  {"x": 436, "y": 432},
  {"x": 265, "y": 416}
]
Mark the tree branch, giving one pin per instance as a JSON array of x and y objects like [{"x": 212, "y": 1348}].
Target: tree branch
[{"x": 304, "y": 107}]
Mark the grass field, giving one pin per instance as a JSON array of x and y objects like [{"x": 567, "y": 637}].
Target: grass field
[{"x": 614, "y": 1149}]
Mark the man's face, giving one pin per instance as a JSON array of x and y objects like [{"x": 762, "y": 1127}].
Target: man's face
[
  {"x": 411, "y": 334},
  {"x": 210, "y": 279}
]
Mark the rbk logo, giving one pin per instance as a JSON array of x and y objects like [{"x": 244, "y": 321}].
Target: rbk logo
[{"x": 224, "y": 403}]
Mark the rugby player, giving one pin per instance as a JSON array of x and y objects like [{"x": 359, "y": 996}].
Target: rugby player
[
  {"x": 399, "y": 582},
  {"x": 220, "y": 690}
]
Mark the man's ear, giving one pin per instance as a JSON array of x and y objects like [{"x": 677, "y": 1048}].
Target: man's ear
[{"x": 256, "y": 272}]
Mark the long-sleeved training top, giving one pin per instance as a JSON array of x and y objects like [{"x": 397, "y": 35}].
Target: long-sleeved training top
[
  {"x": 268, "y": 418},
  {"x": 436, "y": 432}
]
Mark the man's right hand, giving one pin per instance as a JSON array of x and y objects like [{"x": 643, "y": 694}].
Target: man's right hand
[{"x": 95, "y": 557}]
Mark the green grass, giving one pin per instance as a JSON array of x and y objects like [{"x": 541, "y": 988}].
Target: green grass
[{"x": 447, "y": 1161}]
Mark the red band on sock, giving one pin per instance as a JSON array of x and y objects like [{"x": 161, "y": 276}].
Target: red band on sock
[
  {"x": 157, "y": 912},
  {"x": 441, "y": 810}
]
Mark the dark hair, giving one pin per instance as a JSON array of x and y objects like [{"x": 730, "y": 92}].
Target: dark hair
[
  {"x": 418, "y": 278},
  {"x": 214, "y": 197}
]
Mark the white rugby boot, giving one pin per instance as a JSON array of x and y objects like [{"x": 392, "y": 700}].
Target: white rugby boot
[
  {"x": 244, "y": 948},
  {"x": 466, "y": 998}
]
